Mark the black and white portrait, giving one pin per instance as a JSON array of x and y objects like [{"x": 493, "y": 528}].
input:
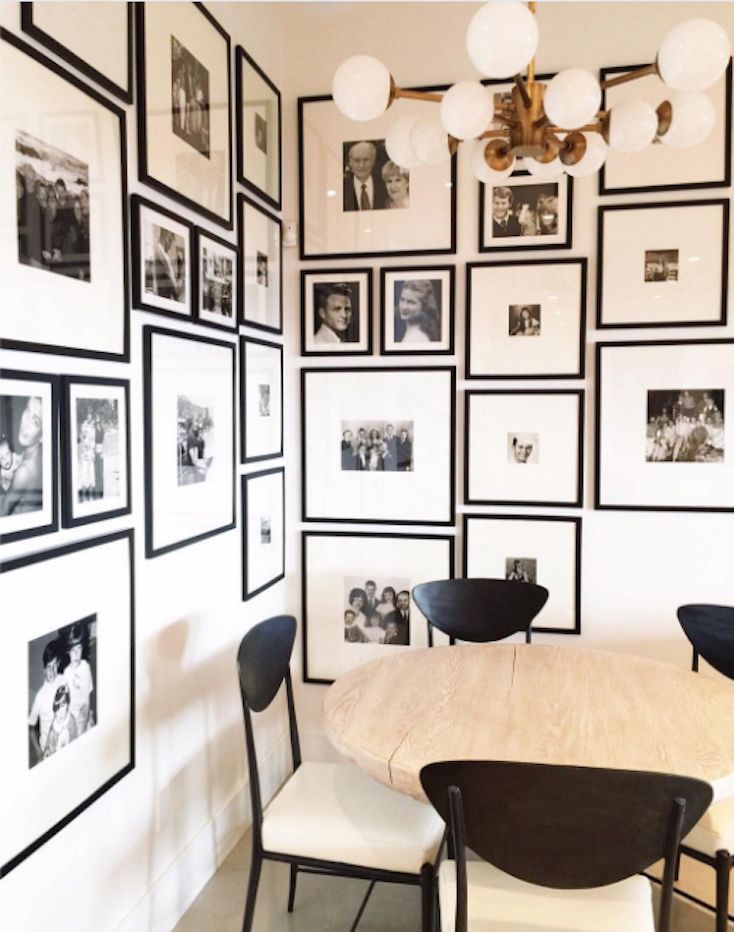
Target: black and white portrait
[
  {"x": 521, "y": 569},
  {"x": 21, "y": 454},
  {"x": 263, "y": 399},
  {"x": 195, "y": 439},
  {"x": 525, "y": 210},
  {"x": 261, "y": 133},
  {"x": 376, "y": 610},
  {"x": 417, "y": 303},
  {"x": 261, "y": 270},
  {"x": 266, "y": 531},
  {"x": 165, "y": 263},
  {"x": 377, "y": 446},
  {"x": 52, "y": 197},
  {"x": 371, "y": 180},
  {"x": 189, "y": 98},
  {"x": 336, "y": 312},
  {"x": 685, "y": 426},
  {"x": 661, "y": 265},
  {"x": 523, "y": 448},
  {"x": 97, "y": 448},
  {"x": 523, "y": 320},
  {"x": 217, "y": 277}
]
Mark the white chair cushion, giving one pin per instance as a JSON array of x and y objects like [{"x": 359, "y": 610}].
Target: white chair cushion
[
  {"x": 337, "y": 813},
  {"x": 498, "y": 902},
  {"x": 715, "y": 831}
]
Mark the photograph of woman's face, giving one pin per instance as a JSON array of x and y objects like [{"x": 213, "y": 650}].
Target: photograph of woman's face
[
  {"x": 410, "y": 304},
  {"x": 397, "y": 187},
  {"x": 547, "y": 214}
]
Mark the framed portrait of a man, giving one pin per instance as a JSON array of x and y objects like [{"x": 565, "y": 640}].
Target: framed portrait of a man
[
  {"x": 162, "y": 264},
  {"x": 336, "y": 312}
]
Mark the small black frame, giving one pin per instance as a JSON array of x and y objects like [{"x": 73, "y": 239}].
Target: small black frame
[
  {"x": 200, "y": 233},
  {"x": 338, "y": 275},
  {"x": 384, "y": 272},
  {"x": 246, "y": 478},
  {"x": 241, "y": 57},
  {"x": 242, "y": 200},
  {"x": 244, "y": 458}
]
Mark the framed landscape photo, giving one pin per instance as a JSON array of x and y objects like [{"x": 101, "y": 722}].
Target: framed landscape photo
[
  {"x": 355, "y": 201},
  {"x": 65, "y": 216},
  {"x": 525, "y": 212},
  {"x": 68, "y": 690},
  {"x": 524, "y": 447},
  {"x": 545, "y": 550},
  {"x": 336, "y": 312},
  {"x": 664, "y": 436},
  {"x": 95, "y": 449},
  {"x": 663, "y": 264},
  {"x": 184, "y": 107},
  {"x": 259, "y": 131},
  {"x": 417, "y": 306},
  {"x": 261, "y": 400},
  {"x": 215, "y": 280},
  {"x": 263, "y": 530},
  {"x": 357, "y": 596},
  {"x": 378, "y": 445},
  {"x": 526, "y": 319},
  {"x": 261, "y": 267},
  {"x": 188, "y": 390},
  {"x": 162, "y": 259}
]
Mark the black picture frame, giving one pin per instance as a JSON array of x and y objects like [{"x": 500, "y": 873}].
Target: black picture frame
[
  {"x": 247, "y": 480},
  {"x": 201, "y": 234},
  {"x": 337, "y": 275},
  {"x": 242, "y": 59},
  {"x": 249, "y": 262},
  {"x": 415, "y": 272},
  {"x": 246, "y": 430}
]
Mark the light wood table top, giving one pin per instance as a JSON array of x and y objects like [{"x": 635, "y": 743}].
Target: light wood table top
[{"x": 535, "y": 703}]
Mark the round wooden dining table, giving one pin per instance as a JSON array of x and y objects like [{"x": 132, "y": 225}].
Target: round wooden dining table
[{"x": 533, "y": 703}]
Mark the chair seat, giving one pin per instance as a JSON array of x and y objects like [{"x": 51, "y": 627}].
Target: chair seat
[
  {"x": 498, "y": 902},
  {"x": 335, "y": 812},
  {"x": 715, "y": 831}
]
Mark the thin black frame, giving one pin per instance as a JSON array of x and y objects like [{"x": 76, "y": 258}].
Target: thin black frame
[
  {"x": 338, "y": 275},
  {"x": 33, "y": 347},
  {"x": 429, "y": 370},
  {"x": 450, "y": 538},
  {"x": 148, "y": 333},
  {"x": 242, "y": 200},
  {"x": 568, "y": 519},
  {"x": 244, "y": 459},
  {"x": 603, "y": 190},
  {"x": 241, "y": 57},
  {"x": 603, "y": 209},
  {"x": 198, "y": 234},
  {"x": 71, "y": 58},
  {"x": 143, "y": 173},
  {"x": 597, "y": 439},
  {"x": 67, "y": 451},
  {"x": 20, "y": 562},
  {"x": 579, "y": 499},
  {"x": 53, "y": 381},
  {"x": 246, "y": 477},
  {"x": 451, "y": 269},
  {"x": 583, "y": 264}
]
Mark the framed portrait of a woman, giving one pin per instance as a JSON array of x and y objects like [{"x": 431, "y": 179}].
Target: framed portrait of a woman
[{"x": 417, "y": 311}]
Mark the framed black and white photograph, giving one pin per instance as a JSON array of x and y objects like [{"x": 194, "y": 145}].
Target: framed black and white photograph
[
  {"x": 263, "y": 530},
  {"x": 215, "y": 280},
  {"x": 524, "y": 447},
  {"x": 357, "y": 596},
  {"x": 261, "y": 267},
  {"x": 417, "y": 306},
  {"x": 664, "y": 439},
  {"x": 261, "y": 400},
  {"x": 259, "y": 132},
  {"x": 363, "y": 204},
  {"x": 28, "y": 455},
  {"x": 95, "y": 449},
  {"x": 336, "y": 312},
  {"x": 184, "y": 107},
  {"x": 526, "y": 319},
  {"x": 162, "y": 245},
  {"x": 67, "y": 225},
  {"x": 525, "y": 212},
  {"x": 189, "y": 394},
  {"x": 378, "y": 445},
  {"x": 545, "y": 550},
  {"x": 68, "y": 693},
  {"x": 663, "y": 264}
]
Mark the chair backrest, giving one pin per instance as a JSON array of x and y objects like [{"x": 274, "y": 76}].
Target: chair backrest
[
  {"x": 480, "y": 609},
  {"x": 710, "y": 629}
]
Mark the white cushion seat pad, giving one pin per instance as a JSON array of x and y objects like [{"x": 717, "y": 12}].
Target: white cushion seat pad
[
  {"x": 715, "y": 831},
  {"x": 335, "y": 812}
]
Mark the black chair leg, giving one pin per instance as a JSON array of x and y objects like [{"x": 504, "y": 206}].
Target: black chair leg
[
  {"x": 723, "y": 867},
  {"x": 292, "y": 887},
  {"x": 252, "y": 884},
  {"x": 427, "y": 897}
]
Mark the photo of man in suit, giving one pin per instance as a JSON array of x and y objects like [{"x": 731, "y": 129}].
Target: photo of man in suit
[
  {"x": 334, "y": 314},
  {"x": 364, "y": 188},
  {"x": 504, "y": 221},
  {"x": 399, "y": 620}
]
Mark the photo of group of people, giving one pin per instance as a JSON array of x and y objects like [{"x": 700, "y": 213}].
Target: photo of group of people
[
  {"x": 377, "y": 446},
  {"x": 195, "y": 436},
  {"x": 21, "y": 454},
  {"x": 165, "y": 263},
  {"x": 97, "y": 446},
  {"x": 523, "y": 448},
  {"x": 525, "y": 210},
  {"x": 217, "y": 282},
  {"x": 189, "y": 98},
  {"x": 521, "y": 569},
  {"x": 417, "y": 303},
  {"x": 336, "y": 312},
  {"x": 523, "y": 320},
  {"x": 370, "y": 618},
  {"x": 661, "y": 265},
  {"x": 372, "y": 181},
  {"x": 685, "y": 426}
]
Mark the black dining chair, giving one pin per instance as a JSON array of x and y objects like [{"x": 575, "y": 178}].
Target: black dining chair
[
  {"x": 479, "y": 609},
  {"x": 561, "y": 847},
  {"x": 327, "y": 818},
  {"x": 710, "y": 629}
]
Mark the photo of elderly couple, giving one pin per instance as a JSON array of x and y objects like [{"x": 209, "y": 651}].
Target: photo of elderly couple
[
  {"x": 377, "y": 610},
  {"x": 377, "y": 446},
  {"x": 371, "y": 180}
]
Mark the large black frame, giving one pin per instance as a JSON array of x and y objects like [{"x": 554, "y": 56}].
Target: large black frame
[
  {"x": 242, "y": 200},
  {"x": 339, "y": 275},
  {"x": 246, "y": 478},
  {"x": 244, "y": 458},
  {"x": 451, "y": 269},
  {"x": 199, "y": 234},
  {"x": 242, "y": 58}
]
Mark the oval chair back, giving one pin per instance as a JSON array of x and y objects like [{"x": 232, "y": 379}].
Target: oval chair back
[{"x": 710, "y": 629}]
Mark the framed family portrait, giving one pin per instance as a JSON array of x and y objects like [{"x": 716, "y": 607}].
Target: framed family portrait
[
  {"x": 525, "y": 212},
  {"x": 355, "y": 201},
  {"x": 336, "y": 312},
  {"x": 261, "y": 400},
  {"x": 357, "y": 596},
  {"x": 95, "y": 449},
  {"x": 259, "y": 131},
  {"x": 417, "y": 307},
  {"x": 162, "y": 244},
  {"x": 68, "y": 692},
  {"x": 263, "y": 531},
  {"x": 663, "y": 264},
  {"x": 524, "y": 447},
  {"x": 184, "y": 107},
  {"x": 378, "y": 445},
  {"x": 526, "y": 319},
  {"x": 66, "y": 227},
  {"x": 664, "y": 439},
  {"x": 261, "y": 267},
  {"x": 188, "y": 391},
  {"x": 528, "y": 548},
  {"x": 28, "y": 455},
  {"x": 215, "y": 280}
]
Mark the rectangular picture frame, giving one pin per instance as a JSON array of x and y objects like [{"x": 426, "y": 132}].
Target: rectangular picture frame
[
  {"x": 259, "y": 130},
  {"x": 417, "y": 310},
  {"x": 263, "y": 530},
  {"x": 336, "y": 312},
  {"x": 544, "y": 219},
  {"x": 260, "y": 299},
  {"x": 215, "y": 280},
  {"x": 261, "y": 400}
]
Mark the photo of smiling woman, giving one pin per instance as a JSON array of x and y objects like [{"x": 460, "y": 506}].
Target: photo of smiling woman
[
  {"x": 417, "y": 310},
  {"x": 336, "y": 313}
]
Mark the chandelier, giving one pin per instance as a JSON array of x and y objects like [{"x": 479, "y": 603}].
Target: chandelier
[{"x": 555, "y": 127}]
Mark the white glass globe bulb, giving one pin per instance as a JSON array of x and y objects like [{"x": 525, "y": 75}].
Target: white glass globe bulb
[
  {"x": 693, "y": 55},
  {"x": 361, "y": 88},
  {"x": 693, "y": 119},
  {"x": 467, "y": 109},
  {"x": 397, "y": 142},
  {"x": 428, "y": 140},
  {"x": 592, "y": 160},
  {"x": 548, "y": 170},
  {"x": 482, "y": 171},
  {"x": 572, "y": 98},
  {"x": 502, "y": 38},
  {"x": 633, "y": 125}
]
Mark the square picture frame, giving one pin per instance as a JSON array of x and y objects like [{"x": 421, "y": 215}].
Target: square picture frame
[
  {"x": 417, "y": 310},
  {"x": 263, "y": 530},
  {"x": 260, "y": 299},
  {"x": 215, "y": 280},
  {"x": 336, "y": 312},
  {"x": 259, "y": 130},
  {"x": 163, "y": 260},
  {"x": 261, "y": 400},
  {"x": 537, "y": 213}
]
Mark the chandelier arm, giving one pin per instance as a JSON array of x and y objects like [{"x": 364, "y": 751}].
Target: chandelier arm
[
  {"x": 531, "y": 64},
  {"x": 589, "y": 128},
  {"x": 522, "y": 87},
  {"x": 642, "y": 72},
  {"x": 399, "y": 92},
  {"x": 494, "y": 134}
]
